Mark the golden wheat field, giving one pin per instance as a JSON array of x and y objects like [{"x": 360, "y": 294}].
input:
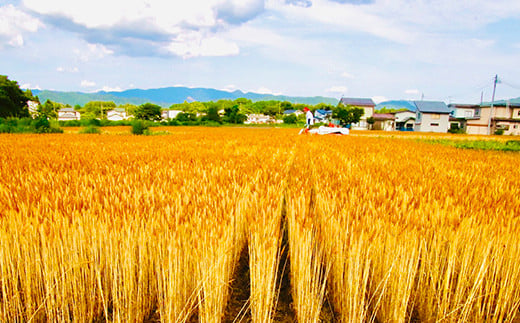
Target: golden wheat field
[{"x": 123, "y": 228}]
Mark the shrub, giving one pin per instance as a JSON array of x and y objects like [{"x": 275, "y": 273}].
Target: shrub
[
  {"x": 290, "y": 119},
  {"x": 139, "y": 127},
  {"x": 91, "y": 129},
  {"x": 499, "y": 132},
  {"x": 5, "y": 128}
]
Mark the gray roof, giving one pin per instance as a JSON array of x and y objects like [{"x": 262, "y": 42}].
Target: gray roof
[
  {"x": 359, "y": 102},
  {"x": 67, "y": 110},
  {"x": 432, "y": 107},
  {"x": 511, "y": 102}
]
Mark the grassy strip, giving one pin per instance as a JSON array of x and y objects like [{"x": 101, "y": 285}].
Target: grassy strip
[{"x": 510, "y": 145}]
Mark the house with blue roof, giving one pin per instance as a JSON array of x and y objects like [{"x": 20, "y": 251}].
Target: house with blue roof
[
  {"x": 290, "y": 111},
  {"x": 432, "y": 116},
  {"x": 321, "y": 115}
]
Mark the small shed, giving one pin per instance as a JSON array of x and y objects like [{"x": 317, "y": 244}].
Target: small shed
[{"x": 384, "y": 121}]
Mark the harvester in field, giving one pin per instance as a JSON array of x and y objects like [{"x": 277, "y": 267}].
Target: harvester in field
[{"x": 324, "y": 130}]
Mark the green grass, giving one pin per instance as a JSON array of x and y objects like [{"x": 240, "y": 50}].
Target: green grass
[{"x": 510, "y": 145}]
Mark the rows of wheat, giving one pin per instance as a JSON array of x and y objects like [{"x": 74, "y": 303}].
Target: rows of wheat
[{"x": 125, "y": 228}]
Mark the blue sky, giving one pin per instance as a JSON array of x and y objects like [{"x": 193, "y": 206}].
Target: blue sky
[{"x": 383, "y": 49}]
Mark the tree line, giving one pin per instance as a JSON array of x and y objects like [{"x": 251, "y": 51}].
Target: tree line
[{"x": 13, "y": 104}]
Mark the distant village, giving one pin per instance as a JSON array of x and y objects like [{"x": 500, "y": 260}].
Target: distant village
[{"x": 501, "y": 117}]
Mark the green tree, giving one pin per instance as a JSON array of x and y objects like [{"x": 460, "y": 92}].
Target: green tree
[
  {"x": 13, "y": 101},
  {"x": 49, "y": 110},
  {"x": 290, "y": 119},
  {"x": 148, "y": 111},
  {"x": 212, "y": 114},
  {"x": 129, "y": 108},
  {"x": 348, "y": 114},
  {"x": 193, "y": 107},
  {"x": 233, "y": 115},
  {"x": 371, "y": 121},
  {"x": 186, "y": 117},
  {"x": 285, "y": 105},
  {"x": 389, "y": 110},
  {"x": 272, "y": 108},
  {"x": 97, "y": 109}
]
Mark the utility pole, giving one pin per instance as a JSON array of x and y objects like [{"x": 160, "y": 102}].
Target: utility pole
[{"x": 492, "y": 101}]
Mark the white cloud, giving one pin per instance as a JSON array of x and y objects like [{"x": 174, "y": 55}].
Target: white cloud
[
  {"x": 193, "y": 45},
  {"x": 164, "y": 15},
  {"x": 337, "y": 89},
  {"x": 265, "y": 90},
  {"x": 111, "y": 89},
  {"x": 347, "y": 17},
  {"x": 29, "y": 86},
  {"x": 411, "y": 91},
  {"x": 14, "y": 24},
  {"x": 347, "y": 75},
  {"x": 191, "y": 28},
  {"x": 86, "y": 83},
  {"x": 230, "y": 88},
  {"x": 92, "y": 51},
  {"x": 62, "y": 69},
  {"x": 379, "y": 98}
]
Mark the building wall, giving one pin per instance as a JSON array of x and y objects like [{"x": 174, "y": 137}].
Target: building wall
[
  {"x": 362, "y": 124},
  {"x": 476, "y": 129},
  {"x": 66, "y": 116},
  {"x": 433, "y": 122},
  {"x": 516, "y": 113},
  {"x": 386, "y": 125},
  {"x": 465, "y": 113}
]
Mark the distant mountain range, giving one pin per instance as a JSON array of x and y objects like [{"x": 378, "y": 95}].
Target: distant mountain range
[
  {"x": 165, "y": 97},
  {"x": 396, "y": 105}
]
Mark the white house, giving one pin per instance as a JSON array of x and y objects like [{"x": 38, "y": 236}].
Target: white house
[
  {"x": 117, "y": 114},
  {"x": 405, "y": 120},
  {"x": 432, "y": 116},
  {"x": 33, "y": 108},
  {"x": 67, "y": 114},
  {"x": 255, "y": 118},
  {"x": 295, "y": 112},
  {"x": 169, "y": 114}
]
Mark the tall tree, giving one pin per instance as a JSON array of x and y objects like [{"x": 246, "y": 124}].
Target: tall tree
[
  {"x": 13, "y": 101},
  {"x": 97, "y": 109},
  {"x": 233, "y": 115},
  {"x": 148, "y": 111},
  {"x": 49, "y": 109},
  {"x": 213, "y": 115},
  {"x": 348, "y": 114}
]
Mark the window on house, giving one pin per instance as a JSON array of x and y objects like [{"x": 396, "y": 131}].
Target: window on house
[
  {"x": 434, "y": 124},
  {"x": 418, "y": 116},
  {"x": 518, "y": 114},
  {"x": 436, "y": 116},
  {"x": 477, "y": 112},
  {"x": 468, "y": 113}
]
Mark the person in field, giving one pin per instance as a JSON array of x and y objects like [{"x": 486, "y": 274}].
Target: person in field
[{"x": 309, "y": 119}]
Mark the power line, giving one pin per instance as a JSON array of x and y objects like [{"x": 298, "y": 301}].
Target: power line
[
  {"x": 488, "y": 83},
  {"x": 516, "y": 87}
]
